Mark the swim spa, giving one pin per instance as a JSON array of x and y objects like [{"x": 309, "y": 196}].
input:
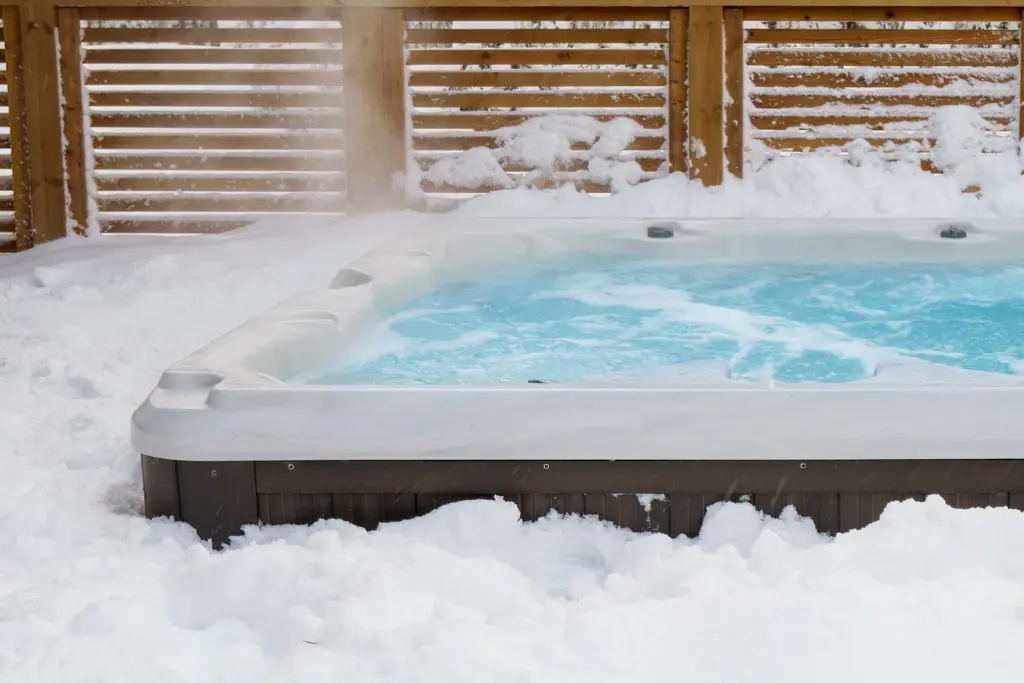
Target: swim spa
[{"x": 639, "y": 371}]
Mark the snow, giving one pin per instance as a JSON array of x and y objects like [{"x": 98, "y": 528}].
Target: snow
[
  {"x": 91, "y": 591},
  {"x": 546, "y": 143}
]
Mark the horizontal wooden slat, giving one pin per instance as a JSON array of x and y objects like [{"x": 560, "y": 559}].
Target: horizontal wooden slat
[
  {"x": 218, "y": 162},
  {"x": 182, "y": 12},
  {"x": 5, "y": 141},
  {"x": 6, "y": 183},
  {"x": 216, "y": 120},
  {"x": 852, "y": 13},
  {"x": 858, "y": 36},
  {"x": 5, "y": 161},
  {"x": 796, "y": 57},
  {"x": 502, "y": 98},
  {"x": 776, "y": 101},
  {"x": 845, "y": 79},
  {"x": 276, "y": 183},
  {"x": 260, "y": 57},
  {"x": 648, "y": 164},
  {"x": 290, "y": 203},
  {"x": 6, "y": 203},
  {"x": 170, "y": 227},
  {"x": 207, "y": 142},
  {"x": 583, "y": 13},
  {"x": 464, "y": 142},
  {"x": 529, "y": 56},
  {"x": 768, "y": 120},
  {"x": 802, "y": 144},
  {"x": 217, "y": 99},
  {"x": 493, "y": 121},
  {"x": 237, "y": 77},
  {"x": 509, "y": 36},
  {"x": 205, "y": 36},
  {"x": 536, "y": 78},
  {"x": 796, "y": 143},
  {"x": 581, "y": 184}
]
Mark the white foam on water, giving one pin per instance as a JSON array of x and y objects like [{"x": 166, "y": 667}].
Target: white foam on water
[{"x": 744, "y": 327}]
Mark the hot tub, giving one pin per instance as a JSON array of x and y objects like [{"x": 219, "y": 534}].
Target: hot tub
[{"x": 276, "y": 423}]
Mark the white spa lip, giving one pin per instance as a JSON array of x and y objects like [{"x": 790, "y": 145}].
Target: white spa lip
[{"x": 230, "y": 400}]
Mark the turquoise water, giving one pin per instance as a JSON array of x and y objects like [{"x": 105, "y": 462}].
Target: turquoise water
[{"x": 795, "y": 323}]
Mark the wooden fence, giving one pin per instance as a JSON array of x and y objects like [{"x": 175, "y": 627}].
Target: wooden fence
[{"x": 201, "y": 115}]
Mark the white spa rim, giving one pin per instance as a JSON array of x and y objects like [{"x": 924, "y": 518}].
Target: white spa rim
[{"x": 232, "y": 400}]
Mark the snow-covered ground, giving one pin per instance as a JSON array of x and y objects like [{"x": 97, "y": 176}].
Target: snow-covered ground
[{"x": 91, "y": 591}]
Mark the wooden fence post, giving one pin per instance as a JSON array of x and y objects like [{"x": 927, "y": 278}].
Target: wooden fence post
[
  {"x": 69, "y": 26},
  {"x": 677, "y": 31},
  {"x": 20, "y": 173},
  {"x": 706, "y": 94},
  {"x": 735, "y": 87},
  {"x": 373, "y": 41},
  {"x": 1020, "y": 83},
  {"x": 41, "y": 85}
]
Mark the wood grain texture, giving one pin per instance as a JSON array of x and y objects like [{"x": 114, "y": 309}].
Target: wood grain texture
[
  {"x": 219, "y": 77},
  {"x": 572, "y": 99},
  {"x": 494, "y": 120},
  {"x": 533, "y": 78},
  {"x": 270, "y": 100},
  {"x": 706, "y": 94},
  {"x": 76, "y": 150},
  {"x": 375, "y": 117},
  {"x": 509, "y": 36},
  {"x": 311, "y": 119},
  {"x": 539, "y": 5},
  {"x": 792, "y": 101},
  {"x": 153, "y": 161},
  {"x": 205, "y": 36},
  {"x": 18, "y": 113},
  {"x": 522, "y": 56},
  {"x": 213, "y": 202},
  {"x": 735, "y": 86},
  {"x": 892, "y": 79},
  {"x": 911, "y": 36},
  {"x": 41, "y": 74},
  {"x": 849, "y": 12},
  {"x": 677, "y": 70},
  {"x": 169, "y": 141},
  {"x": 943, "y": 58},
  {"x": 464, "y": 142},
  {"x": 249, "y": 56}
]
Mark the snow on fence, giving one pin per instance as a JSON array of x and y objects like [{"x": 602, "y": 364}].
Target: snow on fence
[
  {"x": 201, "y": 115},
  {"x": 215, "y": 123},
  {"x": 832, "y": 83},
  {"x": 476, "y": 78}
]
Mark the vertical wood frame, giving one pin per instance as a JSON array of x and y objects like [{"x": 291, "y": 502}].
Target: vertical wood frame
[
  {"x": 677, "y": 59},
  {"x": 41, "y": 87},
  {"x": 735, "y": 88},
  {"x": 1020, "y": 83},
  {"x": 706, "y": 94},
  {"x": 69, "y": 28},
  {"x": 373, "y": 41},
  {"x": 20, "y": 172}
]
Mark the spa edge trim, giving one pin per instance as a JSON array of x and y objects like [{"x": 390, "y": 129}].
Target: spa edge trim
[{"x": 219, "y": 498}]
